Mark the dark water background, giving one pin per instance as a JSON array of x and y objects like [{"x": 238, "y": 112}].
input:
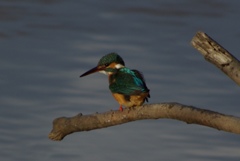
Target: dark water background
[{"x": 46, "y": 44}]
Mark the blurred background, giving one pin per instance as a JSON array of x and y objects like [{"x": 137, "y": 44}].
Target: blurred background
[{"x": 47, "y": 44}]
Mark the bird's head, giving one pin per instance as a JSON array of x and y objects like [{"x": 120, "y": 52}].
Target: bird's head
[{"x": 108, "y": 64}]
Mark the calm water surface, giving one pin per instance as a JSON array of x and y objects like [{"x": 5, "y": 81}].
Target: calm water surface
[{"x": 47, "y": 44}]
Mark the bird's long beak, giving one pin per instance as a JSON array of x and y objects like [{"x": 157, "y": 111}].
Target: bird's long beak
[{"x": 93, "y": 70}]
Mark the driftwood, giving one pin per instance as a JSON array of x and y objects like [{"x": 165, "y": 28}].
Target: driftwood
[
  {"x": 66, "y": 125},
  {"x": 217, "y": 55},
  {"x": 212, "y": 52}
]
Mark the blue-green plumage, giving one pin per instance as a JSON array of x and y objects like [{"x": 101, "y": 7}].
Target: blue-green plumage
[
  {"x": 127, "y": 82},
  {"x": 109, "y": 58}
]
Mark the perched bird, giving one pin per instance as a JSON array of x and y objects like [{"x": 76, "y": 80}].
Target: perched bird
[{"x": 128, "y": 86}]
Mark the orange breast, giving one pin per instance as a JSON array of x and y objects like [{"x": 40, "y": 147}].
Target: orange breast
[{"x": 135, "y": 100}]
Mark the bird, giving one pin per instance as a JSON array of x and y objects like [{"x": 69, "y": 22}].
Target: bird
[{"x": 127, "y": 86}]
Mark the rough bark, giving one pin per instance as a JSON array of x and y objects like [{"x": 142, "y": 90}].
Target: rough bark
[
  {"x": 66, "y": 125},
  {"x": 217, "y": 55}
]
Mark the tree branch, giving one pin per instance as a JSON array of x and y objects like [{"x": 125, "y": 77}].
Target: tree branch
[
  {"x": 217, "y": 55},
  {"x": 66, "y": 125}
]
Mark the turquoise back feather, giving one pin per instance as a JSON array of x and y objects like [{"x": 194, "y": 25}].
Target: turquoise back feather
[{"x": 128, "y": 82}]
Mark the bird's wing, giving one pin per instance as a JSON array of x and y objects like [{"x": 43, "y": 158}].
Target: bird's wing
[{"x": 128, "y": 82}]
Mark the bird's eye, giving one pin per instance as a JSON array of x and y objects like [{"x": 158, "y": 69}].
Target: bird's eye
[{"x": 107, "y": 64}]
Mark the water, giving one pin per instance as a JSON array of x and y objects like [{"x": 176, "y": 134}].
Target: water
[{"x": 47, "y": 44}]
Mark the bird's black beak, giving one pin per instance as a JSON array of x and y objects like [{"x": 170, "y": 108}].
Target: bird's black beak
[{"x": 93, "y": 70}]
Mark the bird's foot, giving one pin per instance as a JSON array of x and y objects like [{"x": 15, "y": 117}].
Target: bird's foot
[{"x": 120, "y": 108}]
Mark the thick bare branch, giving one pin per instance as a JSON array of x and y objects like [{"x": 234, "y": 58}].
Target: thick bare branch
[
  {"x": 217, "y": 55},
  {"x": 66, "y": 125}
]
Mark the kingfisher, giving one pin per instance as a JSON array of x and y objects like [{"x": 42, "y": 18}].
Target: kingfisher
[{"x": 127, "y": 86}]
